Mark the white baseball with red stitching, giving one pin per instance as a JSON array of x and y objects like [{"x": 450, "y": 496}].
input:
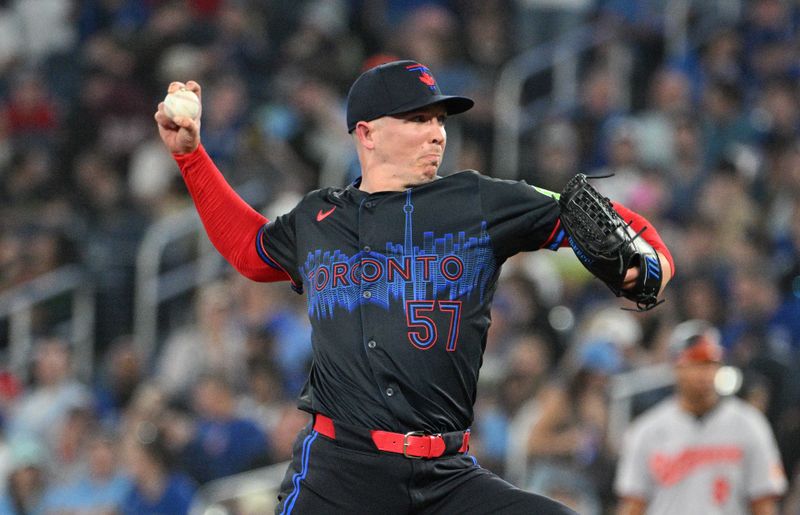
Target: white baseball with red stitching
[{"x": 182, "y": 103}]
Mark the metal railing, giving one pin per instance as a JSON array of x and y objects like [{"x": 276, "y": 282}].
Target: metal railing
[
  {"x": 17, "y": 306},
  {"x": 676, "y": 27},
  {"x": 562, "y": 57},
  {"x": 624, "y": 387},
  {"x": 153, "y": 286},
  {"x": 511, "y": 118},
  {"x": 689, "y": 23},
  {"x": 255, "y": 491}
]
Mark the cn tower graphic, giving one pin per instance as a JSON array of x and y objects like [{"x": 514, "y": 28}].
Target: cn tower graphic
[
  {"x": 408, "y": 209},
  {"x": 408, "y": 248},
  {"x": 446, "y": 267}
]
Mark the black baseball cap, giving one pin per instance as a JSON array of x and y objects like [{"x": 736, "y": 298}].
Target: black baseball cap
[{"x": 394, "y": 88}]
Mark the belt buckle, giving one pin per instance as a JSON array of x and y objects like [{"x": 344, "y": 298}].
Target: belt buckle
[{"x": 405, "y": 444}]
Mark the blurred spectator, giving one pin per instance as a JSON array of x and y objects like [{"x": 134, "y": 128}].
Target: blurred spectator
[
  {"x": 526, "y": 363},
  {"x": 571, "y": 443},
  {"x": 153, "y": 180},
  {"x": 265, "y": 400},
  {"x": 768, "y": 34},
  {"x": 487, "y": 47},
  {"x": 518, "y": 309},
  {"x": 111, "y": 109},
  {"x": 10, "y": 43},
  {"x": 10, "y": 258},
  {"x": 608, "y": 332},
  {"x": 791, "y": 505},
  {"x": 119, "y": 17},
  {"x": 120, "y": 374},
  {"x": 223, "y": 443},
  {"x": 212, "y": 343},
  {"x": 555, "y": 154},
  {"x": 27, "y": 480},
  {"x": 779, "y": 112},
  {"x": 291, "y": 421},
  {"x": 46, "y": 27},
  {"x": 752, "y": 307},
  {"x": 225, "y": 108},
  {"x": 281, "y": 131},
  {"x": 530, "y": 362},
  {"x": 725, "y": 123},
  {"x": 669, "y": 97},
  {"x": 624, "y": 164},
  {"x": 148, "y": 403},
  {"x": 768, "y": 380},
  {"x": 700, "y": 297},
  {"x": 243, "y": 41},
  {"x": 68, "y": 456},
  {"x": 542, "y": 21},
  {"x": 783, "y": 216},
  {"x": 11, "y": 387},
  {"x": 33, "y": 252},
  {"x": 698, "y": 250},
  {"x": 641, "y": 25},
  {"x": 46, "y": 252},
  {"x": 687, "y": 173},
  {"x": 430, "y": 34},
  {"x": 600, "y": 104},
  {"x": 264, "y": 307},
  {"x": 317, "y": 108},
  {"x": 718, "y": 57},
  {"x": 41, "y": 409},
  {"x": 321, "y": 36},
  {"x": 157, "y": 485},
  {"x": 31, "y": 179},
  {"x": 488, "y": 43},
  {"x": 98, "y": 489},
  {"x": 30, "y": 113},
  {"x": 726, "y": 187},
  {"x": 114, "y": 228}
]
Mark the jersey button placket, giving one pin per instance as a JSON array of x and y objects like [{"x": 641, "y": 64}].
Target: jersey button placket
[
  {"x": 366, "y": 249},
  {"x": 368, "y": 284}
]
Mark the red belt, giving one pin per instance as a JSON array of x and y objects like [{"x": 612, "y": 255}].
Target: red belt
[{"x": 415, "y": 444}]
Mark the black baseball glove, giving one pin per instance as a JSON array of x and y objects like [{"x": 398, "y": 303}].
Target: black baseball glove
[{"x": 607, "y": 246}]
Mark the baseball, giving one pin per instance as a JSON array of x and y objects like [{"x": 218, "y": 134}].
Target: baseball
[{"x": 182, "y": 102}]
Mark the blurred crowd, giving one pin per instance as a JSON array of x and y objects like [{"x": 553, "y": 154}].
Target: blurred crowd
[{"x": 705, "y": 144}]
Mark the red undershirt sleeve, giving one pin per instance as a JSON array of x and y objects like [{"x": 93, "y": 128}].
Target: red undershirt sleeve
[
  {"x": 651, "y": 236},
  {"x": 231, "y": 224}
]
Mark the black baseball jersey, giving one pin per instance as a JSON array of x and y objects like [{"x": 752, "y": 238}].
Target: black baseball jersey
[{"x": 399, "y": 286}]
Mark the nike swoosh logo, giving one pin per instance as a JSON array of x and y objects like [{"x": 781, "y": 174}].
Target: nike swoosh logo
[{"x": 323, "y": 215}]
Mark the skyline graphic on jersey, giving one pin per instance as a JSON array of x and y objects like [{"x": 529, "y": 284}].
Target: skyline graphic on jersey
[{"x": 448, "y": 267}]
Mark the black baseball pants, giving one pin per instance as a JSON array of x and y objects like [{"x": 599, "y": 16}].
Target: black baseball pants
[{"x": 349, "y": 476}]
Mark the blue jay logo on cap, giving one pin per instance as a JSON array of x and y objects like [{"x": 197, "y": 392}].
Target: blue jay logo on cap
[{"x": 425, "y": 76}]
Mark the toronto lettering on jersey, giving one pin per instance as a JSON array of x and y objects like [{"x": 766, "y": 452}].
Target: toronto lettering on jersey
[
  {"x": 446, "y": 267},
  {"x": 671, "y": 469}
]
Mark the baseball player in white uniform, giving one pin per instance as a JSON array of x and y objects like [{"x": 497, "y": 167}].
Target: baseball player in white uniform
[{"x": 697, "y": 452}]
